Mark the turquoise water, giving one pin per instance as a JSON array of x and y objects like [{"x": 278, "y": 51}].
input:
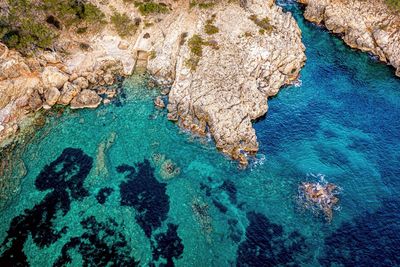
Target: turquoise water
[{"x": 94, "y": 193}]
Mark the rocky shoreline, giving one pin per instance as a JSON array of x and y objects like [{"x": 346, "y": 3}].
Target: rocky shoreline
[
  {"x": 221, "y": 71},
  {"x": 370, "y": 26}
]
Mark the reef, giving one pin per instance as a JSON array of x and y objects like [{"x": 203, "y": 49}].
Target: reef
[
  {"x": 266, "y": 244},
  {"x": 64, "y": 177},
  {"x": 100, "y": 245},
  {"x": 103, "y": 194},
  {"x": 168, "y": 246},
  {"x": 145, "y": 194},
  {"x": 227, "y": 187}
]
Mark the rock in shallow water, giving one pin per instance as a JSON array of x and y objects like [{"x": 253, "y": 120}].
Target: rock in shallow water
[
  {"x": 86, "y": 99},
  {"x": 322, "y": 196}
]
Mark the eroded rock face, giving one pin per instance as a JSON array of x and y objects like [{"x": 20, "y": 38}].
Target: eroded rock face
[
  {"x": 366, "y": 25},
  {"x": 239, "y": 69}
]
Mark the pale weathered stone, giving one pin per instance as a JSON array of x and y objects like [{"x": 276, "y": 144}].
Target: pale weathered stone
[
  {"x": 86, "y": 99},
  {"x": 235, "y": 75}
]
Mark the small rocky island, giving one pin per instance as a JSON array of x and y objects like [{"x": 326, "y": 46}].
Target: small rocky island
[{"x": 322, "y": 196}]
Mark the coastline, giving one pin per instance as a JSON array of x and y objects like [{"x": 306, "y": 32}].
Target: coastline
[
  {"x": 369, "y": 26},
  {"x": 219, "y": 85}
]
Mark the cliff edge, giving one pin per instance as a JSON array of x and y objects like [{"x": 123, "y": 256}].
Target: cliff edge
[{"x": 371, "y": 26}]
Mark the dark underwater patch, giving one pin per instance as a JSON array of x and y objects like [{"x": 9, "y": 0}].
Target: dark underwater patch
[
  {"x": 168, "y": 246},
  {"x": 370, "y": 240},
  {"x": 266, "y": 244},
  {"x": 145, "y": 194},
  {"x": 221, "y": 207},
  {"x": 332, "y": 156},
  {"x": 64, "y": 177},
  {"x": 100, "y": 245},
  {"x": 103, "y": 194},
  {"x": 229, "y": 187},
  {"x": 206, "y": 188}
]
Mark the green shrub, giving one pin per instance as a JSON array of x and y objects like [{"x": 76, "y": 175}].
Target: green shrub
[
  {"x": 394, "y": 4},
  {"x": 147, "y": 8},
  {"x": 123, "y": 24},
  {"x": 34, "y": 24},
  {"x": 196, "y": 45}
]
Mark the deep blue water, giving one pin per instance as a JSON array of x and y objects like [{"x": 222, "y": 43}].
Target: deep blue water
[{"x": 95, "y": 194}]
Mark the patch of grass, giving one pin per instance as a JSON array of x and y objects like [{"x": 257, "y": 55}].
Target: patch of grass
[
  {"x": 123, "y": 24},
  {"x": 147, "y": 8},
  {"x": 152, "y": 54}
]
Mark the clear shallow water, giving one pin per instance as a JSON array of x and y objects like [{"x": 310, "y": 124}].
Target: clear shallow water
[{"x": 101, "y": 198}]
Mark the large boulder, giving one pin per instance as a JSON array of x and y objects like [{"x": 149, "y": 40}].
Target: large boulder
[
  {"x": 53, "y": 77},
  {"x": 86, "y": 99},
  {"x": 68, "y": 92},
  {"x": 52, "y": 95}
]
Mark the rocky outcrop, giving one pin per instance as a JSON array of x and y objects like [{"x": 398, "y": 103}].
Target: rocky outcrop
[
  {"x": 368, "y": 25},
  {"x": 241, "y": 65},
  {"x": 28, "y": 84},
  {"x": 222, "y": 64}
]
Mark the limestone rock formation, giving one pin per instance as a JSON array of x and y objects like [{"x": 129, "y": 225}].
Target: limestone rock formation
[
  {"x": 368, "y": 25},
  {"x": 240, "y": 66}
]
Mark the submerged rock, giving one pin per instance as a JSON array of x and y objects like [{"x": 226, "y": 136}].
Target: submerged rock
[
  {"x": 169, "y": 170},
  {"x": 159, "y": 103}
]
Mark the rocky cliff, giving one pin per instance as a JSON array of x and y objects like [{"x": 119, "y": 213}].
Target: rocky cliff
[
  {"x": 222, "y": 59},
  {"x": 222, "y": 79},
  {"x": 371, "y": 26}
]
